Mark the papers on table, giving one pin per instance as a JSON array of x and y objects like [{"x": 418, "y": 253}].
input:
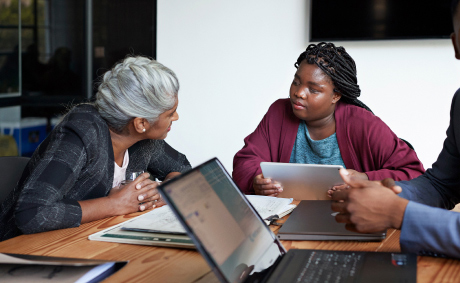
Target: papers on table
[
  {"x": 159, "y": 220},
  {"x": 269, "y": 206},
  {"x": 163, "y": 220},
  {"x": 164, "y": 239},
  {"x": 160, "y": 226}
]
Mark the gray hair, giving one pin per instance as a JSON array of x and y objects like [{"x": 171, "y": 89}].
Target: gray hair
[{"x": 136, "y": 87}]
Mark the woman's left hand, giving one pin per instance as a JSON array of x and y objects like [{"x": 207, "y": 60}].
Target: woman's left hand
[{"x": 354, "y": 174}]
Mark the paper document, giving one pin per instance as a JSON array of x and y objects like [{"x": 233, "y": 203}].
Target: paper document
[
  {"x": 159, "y": 220},
  {"x": 117, "y": 235},
  {"x": 267, "y": 206},
  {"x": 163, "y": 221}
]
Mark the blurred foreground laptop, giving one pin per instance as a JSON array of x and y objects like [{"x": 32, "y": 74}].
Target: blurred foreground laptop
[{"x": 239, "y": 247}]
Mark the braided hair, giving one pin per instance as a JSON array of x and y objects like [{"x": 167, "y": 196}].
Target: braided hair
[{"x": 339, "y": 66}]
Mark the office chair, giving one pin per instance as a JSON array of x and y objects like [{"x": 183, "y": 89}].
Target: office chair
[
  {"x": 408, "y": 143},
  {"x": 11, "y": 168}
]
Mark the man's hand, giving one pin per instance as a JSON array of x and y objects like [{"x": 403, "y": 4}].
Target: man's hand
[
  {"x": 390, "y": 183},
  {"x": 266, "y": 187},
  {"x": 368, "y": 206},
  {"x": 352, "y": 173}
]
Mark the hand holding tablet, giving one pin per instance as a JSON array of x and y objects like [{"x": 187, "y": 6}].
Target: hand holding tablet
[{"x": 265, "y": 186}]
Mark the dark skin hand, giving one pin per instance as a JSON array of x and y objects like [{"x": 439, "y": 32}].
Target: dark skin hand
[
  {"x": 352, "y": 173},
  {"x": 139, "y": 195},
  {"x": 368, "y": 206},
  {"x": 266, "y": 187}
]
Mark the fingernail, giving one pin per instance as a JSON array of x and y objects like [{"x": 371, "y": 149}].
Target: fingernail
[
  {"x": 280, "y": 190},
  {"x": 138, "y": 186},
  {"x": 140, "y": 198},
  {"x": 153, "y": 206},
  {"x": 345, "y": 172},
  {"x": 141, "y": 208},
  {"x": 278, "y": 186}
]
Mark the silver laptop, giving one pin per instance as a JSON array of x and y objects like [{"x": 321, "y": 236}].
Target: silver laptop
[
  {"x": 303, "y": 181},
  {"x": 240, "y": 247},
  {"x": 315, "y": 220}
]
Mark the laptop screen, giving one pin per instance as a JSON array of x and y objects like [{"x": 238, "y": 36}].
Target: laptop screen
[{"x": 226, "y": 230}]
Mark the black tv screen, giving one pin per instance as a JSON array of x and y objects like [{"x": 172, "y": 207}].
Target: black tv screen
[{"x": 332, "y": 20}]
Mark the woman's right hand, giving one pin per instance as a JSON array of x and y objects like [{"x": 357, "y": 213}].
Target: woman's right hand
[
  {"x": 265, "y": 186},
  {"x": 139, "y": 195}
]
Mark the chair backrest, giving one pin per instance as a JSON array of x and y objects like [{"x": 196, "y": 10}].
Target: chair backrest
[
  {"x": 11, "y": 168},
  {"x": 408, "y": 143}
]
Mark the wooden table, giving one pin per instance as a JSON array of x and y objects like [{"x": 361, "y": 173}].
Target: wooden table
[{"x": 152, "y": 264}]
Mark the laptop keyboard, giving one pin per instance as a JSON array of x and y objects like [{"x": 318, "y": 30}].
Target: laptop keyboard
[{"x": 329, "y": 266}]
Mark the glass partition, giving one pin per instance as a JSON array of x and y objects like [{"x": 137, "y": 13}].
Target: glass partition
[
  {"x": 53, "y": 51},
  {"x": 9, "y": 48}
]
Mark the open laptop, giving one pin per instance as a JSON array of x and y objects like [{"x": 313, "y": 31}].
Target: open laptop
[
  {"x": 303, "y": 181},
  {"x": 315, "y": 220},
  {"x": 239, "y": 247}
]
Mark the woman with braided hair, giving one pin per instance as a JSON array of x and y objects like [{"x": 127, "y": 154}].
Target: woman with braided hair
[
  {"x": 323, "y": 122},
  {"x": 73, "y": 177}
]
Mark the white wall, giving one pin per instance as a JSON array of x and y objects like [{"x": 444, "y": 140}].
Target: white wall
[{"x": 234, "y": 58}]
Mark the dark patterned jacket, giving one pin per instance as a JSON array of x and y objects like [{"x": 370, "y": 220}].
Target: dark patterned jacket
[{"x": 76, "y": 162}]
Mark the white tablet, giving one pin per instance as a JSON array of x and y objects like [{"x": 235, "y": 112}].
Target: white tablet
[{"x": 303, "y": 181}]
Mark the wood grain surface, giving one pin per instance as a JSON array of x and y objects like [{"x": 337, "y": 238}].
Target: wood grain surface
[{"x": 154, "y": 264}]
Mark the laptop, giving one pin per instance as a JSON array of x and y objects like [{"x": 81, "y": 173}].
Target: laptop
[
  {"x": 315, "y": 220},
  {"x": 303, "y": 181},
  {"x": 240, "y": 247}
]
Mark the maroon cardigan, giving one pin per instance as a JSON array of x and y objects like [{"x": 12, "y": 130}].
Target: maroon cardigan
[{"x": 366, "y": 144}]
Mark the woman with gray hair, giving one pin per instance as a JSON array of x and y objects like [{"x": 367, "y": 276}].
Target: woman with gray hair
[{"x": 74, "y": 175}]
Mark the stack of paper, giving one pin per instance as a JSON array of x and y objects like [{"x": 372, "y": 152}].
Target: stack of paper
[
  {"x": 271, "y": 206},
  {"x": 160, "y": 226},
  {"x": 159, "y": 220}
]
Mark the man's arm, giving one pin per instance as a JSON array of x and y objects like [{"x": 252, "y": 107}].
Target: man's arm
[
  {"x": 371, "y": 206},
  {"x": 440, "y": 185},
  {"x": 430, "y": 231},
  {"x": 424, "y": 228},
  {"x": 368, "y": 206},
  {"x": 427, "y": 189}
]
